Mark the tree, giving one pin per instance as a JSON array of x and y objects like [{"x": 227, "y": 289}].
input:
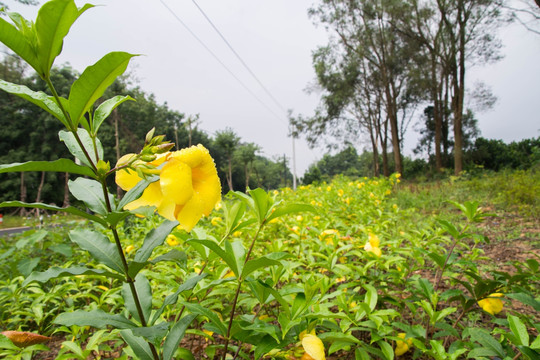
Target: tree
[
  {"x": 368, "y": 53},
  {"x": 227, "y": 141},
  {"x": 246, "y": 154}
]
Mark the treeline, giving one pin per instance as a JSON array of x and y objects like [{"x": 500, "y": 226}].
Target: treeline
[
  {"x": 29, "y": 133},
  {"x": 483, "y": 154}
]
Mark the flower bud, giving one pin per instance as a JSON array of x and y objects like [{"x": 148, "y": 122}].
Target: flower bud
[
  {"x": 103, "y": 167},
  {"x": 148, "y": 157},
  {"x": 149, "y": 136}
]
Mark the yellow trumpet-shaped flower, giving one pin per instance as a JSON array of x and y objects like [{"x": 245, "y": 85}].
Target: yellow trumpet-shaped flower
[
  {"x": 402, "y": 346},
  {"x": 329, "y": 235},
  {"x": 492, "y": 304},
  {"x": 188, "y": 185},
  {"x": 372, "y": 245},
  {"x": 313, "y": 346}
]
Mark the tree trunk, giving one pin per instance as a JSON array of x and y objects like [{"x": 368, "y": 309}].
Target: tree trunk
[
  {"x": 23, "y": 194},
  {"x": 459, "y": 93},
  {"x": 229, "y": 175}
]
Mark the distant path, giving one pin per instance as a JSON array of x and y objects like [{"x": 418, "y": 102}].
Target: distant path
[{"x": 10, "y": 231}]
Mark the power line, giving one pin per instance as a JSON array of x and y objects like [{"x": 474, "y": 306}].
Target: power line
[
  {"x": 240, "y": 58},
  {"x": 221, "y": 62}
]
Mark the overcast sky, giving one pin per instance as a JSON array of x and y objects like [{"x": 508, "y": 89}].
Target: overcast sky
[{"x": 275, "y": 39}]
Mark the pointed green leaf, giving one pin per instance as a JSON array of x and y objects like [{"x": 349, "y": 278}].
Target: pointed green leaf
[
  {"x": 105, "y": 109},
  {"x": 290, "y": 209},
  {"x": 144, "y": 292},
  {"x": 57, "y": 272},
  {"x": 99, "y": 246},
  {"x": 95, "y": 318},
  {"x": 485, "y": 339},
  {"x": 60, "y": 165},
  {"x": 255, "y": 264},
  {"x": 39, "y": 98},
  {"x": 175, "y": 336},
  {"x": 173, "y": 298},
  {"x": 52, "y": 24},
  {"x": 139, "y": 346},
  {"x": 154, "y": 238},
  {"x": 371, "y": 297},
  {"x": 69, "y": 210},
  {"x": 93, "y": 82},
  {"x": 153, "y": 334},
  {"x": 212, "y": 316},
  {"x": 519, "y": 330},
  {"x": 225, "y": 256},
  {"x": 90, "y": 192},
  {"x": 16, "y": 41},
  {"x": 136, "y": 191},
  {"x": 73, "y": 146}
]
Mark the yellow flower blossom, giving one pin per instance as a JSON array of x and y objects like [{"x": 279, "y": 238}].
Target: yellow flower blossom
[
  {"x": 313, "y": 346},
  {"x": 402, "y": 346},
  {"x": 299, "y": 218},
  {"x": 237, "y": 234},
  {"x": 328, "y": 188},
  {"x": 328, "y": 236},
  {"x": 492, "y": 304},
  {"x": 373, "y": 245},
  {"x": 216, "y": 220},
  {"x": 340, "y": 192},
  {"x": 130, "y": 248},
  {"x": 172, "y": 240},
  {"x": 188, "y": 185},
  {"x": 104, "y": 288}
]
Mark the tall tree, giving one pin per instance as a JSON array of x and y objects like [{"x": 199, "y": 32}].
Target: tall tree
[
  {"x": 246, "y": 154},
  {"x": 227, "y": 141}
]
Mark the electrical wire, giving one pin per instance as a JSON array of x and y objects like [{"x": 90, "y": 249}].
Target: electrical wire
[
  {"x": 221, "y": 62},
  {"x": 240, "y": 58}
]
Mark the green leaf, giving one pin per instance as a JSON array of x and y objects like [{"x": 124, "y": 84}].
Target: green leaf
[
  {"x": 52, "y": 24},
  {"x": 39, "y": 98},
  {"x": 153, "y": 334},
  {"x": 175, "y": 336},
  {"x": 139, "y": 346},
  {"x": 264, "y": 346},
  {"x": 135, "y": 192},
  {"x": 18, "y": 42},
  {"x": 57, "y": 272},
  {"x": 526, "y": 299},
  {"x": 485, "y": 339},
  {"x": 233, "y": 215},
  {"x": 69, "y": 210},
  {"x": 290, "y": 209},
  {"x": 26, "y": 265},
  {"x": 5, "y": 343},
  {"x": 105, "y": 109},
  {"x": 450, "y": 228},
  {"x": 262, "y": 203},
  {"x": 144, "y": 292},
  {"x": 73, "y": 146},
  {"x": 529, "y": 352},
  {"x": 99, "y": 246},
  {"x": 153, "y": 239},
  {"x": 95, "y": 318},
  {"x": 225, "y": 256},
  {"x": 214, "y": 319},
  {"x": 93, "y": 82},
  {"x": 519, "y": 330},
  {"x": 438, "y": 259},
  {"x": 60, "y": 165},
  {"x": 255, "y": 264},
  {"x": 371, "y": 297},
  {"x": 386, "y": 349},
  {"x": 91, "y": 193},
  {"x": 171, "y": 299},
  {"x": 173, "y": 255}
]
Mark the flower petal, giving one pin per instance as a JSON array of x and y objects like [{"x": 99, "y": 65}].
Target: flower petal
[
  {"x": 175, "y": 181},
  {"x": 152, "y": 196},
  {"x": 313, "y": 346},
  {"x": 189, "y": 214},
  {"x": 126, "y": 178}
]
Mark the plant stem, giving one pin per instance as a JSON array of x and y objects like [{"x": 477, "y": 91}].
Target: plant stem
[
  {"x": 129, "y": 280},
  {"x": 240, "y": 280}
]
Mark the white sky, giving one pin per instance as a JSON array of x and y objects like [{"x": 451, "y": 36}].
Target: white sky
[{"x": 275, "y": 38}]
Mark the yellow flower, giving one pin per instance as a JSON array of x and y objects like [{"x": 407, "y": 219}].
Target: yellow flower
[
  {"x": 215, "y": 221},
  {"x": 104, "y": 288},
  {"x": 299, "y": 218},
  {"x": 172, "y": 240},
  {"x": 130, "y": 248},
  {"x": 340, "y": 192},
  {"x": 402, "y": 346},
  {"x": 492, "y": 304},
  {"x": 188, "y": 186},
  {"x": 313, "y": 346},
  {"x": 237, "y": 234},
  {"x": 328, "y": 188},
  {"x": 373, "y": 245},
  {"x": 328, "y": 236}
]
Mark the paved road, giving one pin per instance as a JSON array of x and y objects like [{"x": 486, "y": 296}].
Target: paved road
[{"x": 11, "y": 231}]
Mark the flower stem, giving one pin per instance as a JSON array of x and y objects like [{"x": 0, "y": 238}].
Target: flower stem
[{"x": 240, "y": 280}]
